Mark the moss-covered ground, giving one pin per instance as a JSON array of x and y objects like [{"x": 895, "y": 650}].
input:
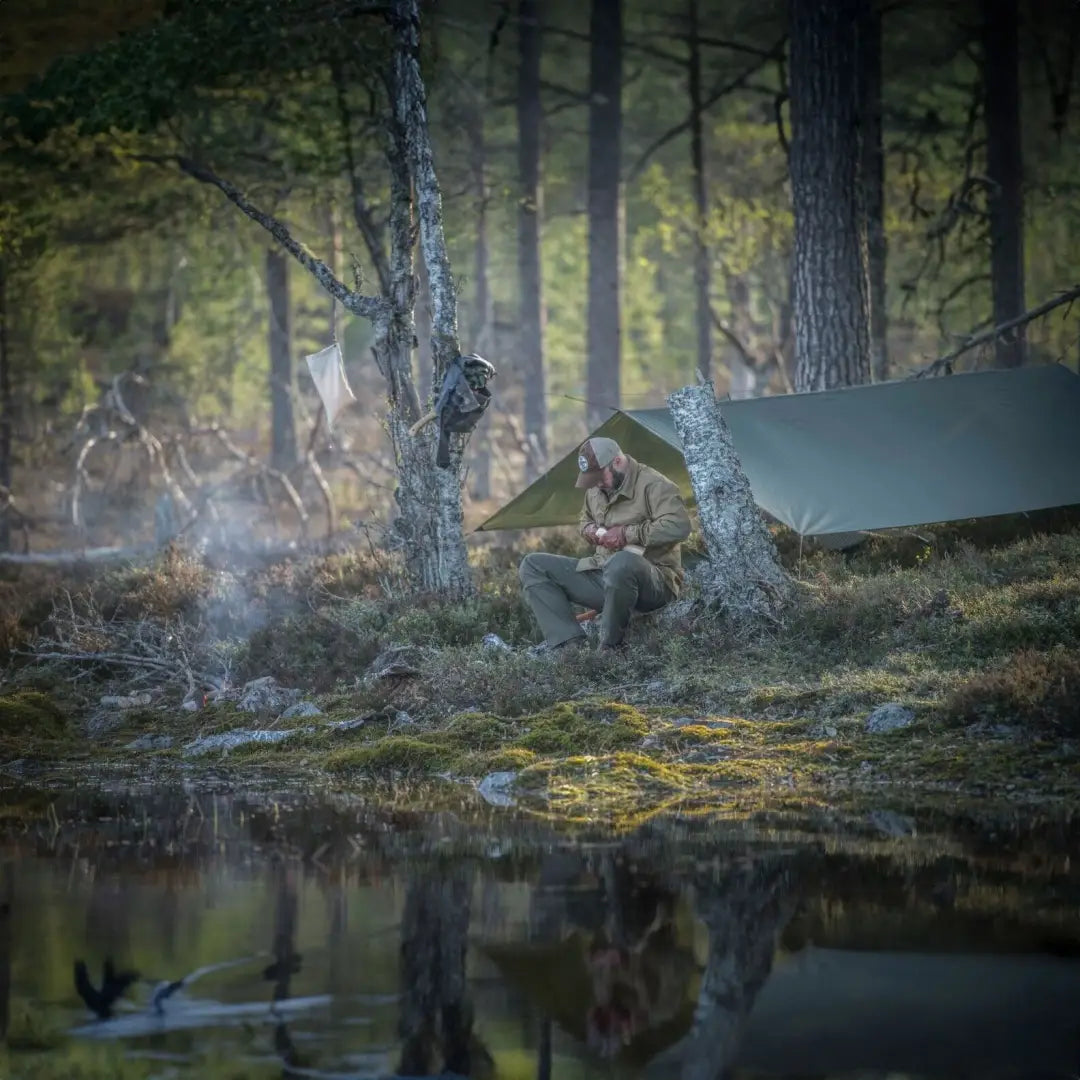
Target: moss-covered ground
[{"x": 975, "y": 628}]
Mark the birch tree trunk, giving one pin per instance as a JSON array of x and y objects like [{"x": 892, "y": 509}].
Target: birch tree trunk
[
  {"x": 442, "y": 557},
  {"x": 744, "y": 574},
  {"x": 831, "y": 303},
  {"x": 530, "y": 210},
  {"x": 429, "y": 529},
  {"x": 604, "y": 369},
  {"x": 1005, "y": 169}
]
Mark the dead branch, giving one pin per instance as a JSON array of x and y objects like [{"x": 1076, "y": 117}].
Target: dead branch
[{"x": 973, "y": 341}]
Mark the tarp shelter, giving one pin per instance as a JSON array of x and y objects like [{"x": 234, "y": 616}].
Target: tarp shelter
[{"x": 867, "y": 457}]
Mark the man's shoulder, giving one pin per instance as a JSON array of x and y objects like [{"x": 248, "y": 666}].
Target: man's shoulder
[{"x": 651, "y": 476}]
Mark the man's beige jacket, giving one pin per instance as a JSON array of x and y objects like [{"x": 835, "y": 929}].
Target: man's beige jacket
[{"x": 655, "y": 516}]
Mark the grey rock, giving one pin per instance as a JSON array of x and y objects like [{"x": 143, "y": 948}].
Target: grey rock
[
  {"x": 125, "y": 701},
  {"x": 150, "y": 742},
  {"x": 300, "y": 710},
  {"x": 495, "y": 643},
  {"x": 496, "y": 788},
  {"x": 230, "y": 740},
  {"x": 822, "y": 730},
  {"x": 891, "y": 716},
  {"x": 341, "y": 727},
  {"x": 891, "y": 823},
  {"x": 265, "y": 695}
]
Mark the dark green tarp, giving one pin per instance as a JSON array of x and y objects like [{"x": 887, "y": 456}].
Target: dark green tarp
[{"x": 867, "y": 457}]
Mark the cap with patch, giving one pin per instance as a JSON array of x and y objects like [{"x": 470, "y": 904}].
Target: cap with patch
[{"x": 594, "y": 457}]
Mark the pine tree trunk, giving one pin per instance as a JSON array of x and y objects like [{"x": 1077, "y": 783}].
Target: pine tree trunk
[
  {"x": 1005, "y": 170},
  {"x": 530, "y": 212},
  {"x": 282, "y": 421},
  {"x": 831, "y": 301},
  {"x": 743, "y": 573},
  {"x": 7, "y": 412},
  {"x": 483, "y": 315},
  {"x": 702, "y": 266},
  {"x": 337, "y": 264},
  {"x": 873, "y": 164},
  {"x": 605, "y": 210},
  {"x": 429, "y": 497}
]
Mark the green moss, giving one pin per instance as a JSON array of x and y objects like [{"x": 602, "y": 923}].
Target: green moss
[
  {"x": 32, "y": 713},
  {"x": 394, "y": 752},
  {"x": 569, "y": 728}
]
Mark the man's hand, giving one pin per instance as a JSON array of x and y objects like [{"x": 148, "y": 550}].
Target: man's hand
[
  {"x": 614, "y": 539},
  {"x": 590, "y": 533}
]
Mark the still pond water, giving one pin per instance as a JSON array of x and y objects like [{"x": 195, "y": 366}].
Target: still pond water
[{"x": 324, "y": 937}]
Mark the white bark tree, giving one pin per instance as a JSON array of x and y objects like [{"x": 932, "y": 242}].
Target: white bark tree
[
  {"x": 430, "y": 527},
  {"x": 743, "y": 573}
]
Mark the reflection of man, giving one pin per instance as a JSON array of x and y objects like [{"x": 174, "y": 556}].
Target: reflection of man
[{"x": 636, "y": 520}]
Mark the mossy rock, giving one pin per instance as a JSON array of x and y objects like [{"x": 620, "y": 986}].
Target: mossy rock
[
  {"x": 30, "y": 712},
  {"x": 584, "y": 728},
  {"x": 402, "y": 752}
]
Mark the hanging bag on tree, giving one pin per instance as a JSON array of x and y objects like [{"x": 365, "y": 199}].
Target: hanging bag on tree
[{"x": 463, "y": 398}]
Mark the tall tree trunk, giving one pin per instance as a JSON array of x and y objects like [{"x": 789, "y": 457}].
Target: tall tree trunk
[
  {"x": 530, "y": 212},
  {"x": 282, "y": 421},
  {"x": 7, "y": 409},
  {"x": 1005, "y": 170},
  {"x": 424, "y": 360},
  {"x": 483, "y": 314},
  {"x": 873, "y": 186},
  {"x": 701, "y": 198},
  {"x": 443, "y": 553},
  {"x": 605, "y": 210},
  {"x": 831, "y": 302}
]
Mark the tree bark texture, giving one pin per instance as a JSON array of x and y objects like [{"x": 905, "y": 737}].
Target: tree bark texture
[
  {"x": 446, "y": 561},
  {"x": 744, "y": 574},
  {"x": 282, "y": 421},
  {"x": 7, "y": 407},
  {"x": 745, "y": 913},
  {"x": 530, "y": 213},
  {"x": 425, "y": 364},
  {"x": 1005, "y": 170},
  {"x": 435, "y": 1021},
  {"x": 831, "y": 301},
  {"x": 873, "y": 186},
  {"x": 483, "y": 313},
  {"x": 702, "y": 284},
  {"x": 335, "y": 322},
  {"x": 605, "y": 210}
]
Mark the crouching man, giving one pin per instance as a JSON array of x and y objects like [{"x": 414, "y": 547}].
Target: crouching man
[{"x": 636, "y": 520}]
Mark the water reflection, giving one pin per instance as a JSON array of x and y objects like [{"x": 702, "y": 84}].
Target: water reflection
[{"x": 321, "y": 937}]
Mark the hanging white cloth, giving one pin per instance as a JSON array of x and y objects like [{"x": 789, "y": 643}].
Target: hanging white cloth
[{"x": 328, "y": 373}]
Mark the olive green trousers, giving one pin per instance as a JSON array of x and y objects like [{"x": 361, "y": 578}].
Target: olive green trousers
[{"x": 627, "y": 583}]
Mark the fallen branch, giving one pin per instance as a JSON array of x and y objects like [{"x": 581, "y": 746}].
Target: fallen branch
[{"x": 973, "y": 341}]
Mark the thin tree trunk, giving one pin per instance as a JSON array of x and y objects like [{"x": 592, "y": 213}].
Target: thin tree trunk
[
  {"x": 1005, "y": 169},
  {"x": 744, "y": 573},
  {"x": 605, "y": 210},
  {"x": 530, "y": 214},
  {"x": 282, "y": 421},
  {"x": 483, "y": 315},
  {"x": 424, "y": 361},
  {"x": 701, "y": 199},
  {"x": 873, "y": 186},
  {"x": 831, "y": 302},
  {"x": 446, "y": 560},
  {"x": 7, "y": 410}
]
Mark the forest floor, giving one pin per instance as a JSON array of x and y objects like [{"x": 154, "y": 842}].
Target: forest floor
[{"x": 972, "y": 630}]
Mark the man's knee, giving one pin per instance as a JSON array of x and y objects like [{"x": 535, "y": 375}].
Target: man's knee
[
  {"x": 621, "y": 568},
  {"x": 530, "y": 571}
]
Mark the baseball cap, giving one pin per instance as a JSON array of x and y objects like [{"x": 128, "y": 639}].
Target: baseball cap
[{"x": 594, "y": 456}]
